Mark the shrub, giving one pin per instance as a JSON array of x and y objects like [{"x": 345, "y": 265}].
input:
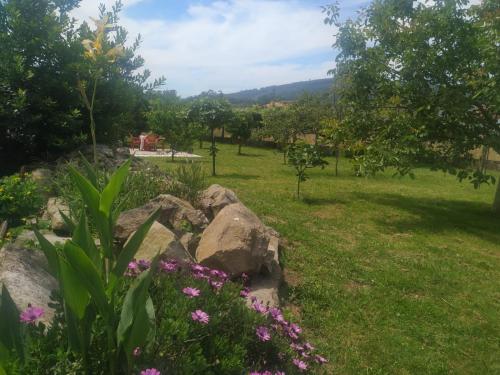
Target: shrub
[
  {"x": 19, "y": 198},
  {"x": 189, "y": 179}
]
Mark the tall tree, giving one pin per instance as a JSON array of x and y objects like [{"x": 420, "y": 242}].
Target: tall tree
[
  {"x": 211, "y": 111},
  {"x": 413, "y": 83},
  {"x": 241, "y": 125}
]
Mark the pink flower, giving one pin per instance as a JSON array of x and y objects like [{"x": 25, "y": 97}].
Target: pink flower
[
  {"x": 218, "y": 273},
  {"x": 319, "y": 359},
  {"x": 277, "y": 315},
  {"x": 31, "y": 314},
  {"x": 144, "y": 264},
  {"x": 198, "y": 268},
  {"x": 308, "y": 346},
  {"x": 191, "y": 292},
  {"x": 136, "y": 352},
  {"x": 200, "y": 316},
  {"x": 279, "y": 373},
  {"x": 301, "y": 365},
  {"x": 263, "y": 334},
  {"x": 259, "y": 307},
  {"x": 267, "y": 373},
  {"x": 245, "y": 292},
  {"x": 296, "y": 347},
  {"x": 295, "y": 328},
  {"x": 150, "y": 371},
  {"x": 244, "y": 278},
  {"x": 255, "y": 373},
  {"x": 132, "y": 269},
  {"x": 216, "y": 284},
  {"x": 168, "y": 266}
]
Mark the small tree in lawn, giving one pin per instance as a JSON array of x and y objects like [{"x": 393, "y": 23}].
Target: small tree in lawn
[
  {"x": 99, "y": 52},
  {"x": 211, "y": 111},
  {"x": 332, "y": 135},
  {"x": 241, "y": 125},
  {"x": 303, "y": 156},
  {"x": 174, "y": 125}
]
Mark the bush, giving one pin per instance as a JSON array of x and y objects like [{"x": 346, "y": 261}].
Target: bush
[
  {"x": 189, "y": 179},
  {"x": 19, "y": 198}
]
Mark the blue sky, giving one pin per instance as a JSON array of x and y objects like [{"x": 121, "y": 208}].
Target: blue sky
[{"x": 230, "y": 45}]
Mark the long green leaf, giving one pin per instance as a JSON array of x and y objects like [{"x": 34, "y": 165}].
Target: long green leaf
[
  {"x": 130, "y": 249},
  {"x": 50, "y": 252},
  {"x": 83, "y": 238},
  {"x": 112, "y": 189},
  {"x": 10, "y": 327},
  {"x": 142, "y": 328},
  {"x": 88, "y": 276},
  {"x": 75, "y": 294},
  {"x": 89, "y": 170},
  {"x": 67, "y": 220},
  {"x": 134, "y": 301}
]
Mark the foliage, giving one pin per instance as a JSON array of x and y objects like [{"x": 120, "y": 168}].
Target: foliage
[
  {"x": 91, "y": 276},
  {"x": 172, "y": 122},
  {"x": 19, "y": 198},
  {"x": 211, "y": 111},
  {"x": 188, "y": 180},
  {"x": 141, "y": 185},
  {"x": 302, "y": 156},
  {"x": 417, "y": 83},
  {"x": 242, "y": 124},
  {"x": 41, "y": 110}
]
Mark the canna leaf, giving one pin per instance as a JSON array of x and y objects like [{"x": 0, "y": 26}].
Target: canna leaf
[
  {"x": 112, "y": 189},
  {"x": 50, "y": 253},
  {"x": 75, "y": 294},
  {"x": 130, "y": 249},
  {"x": 10, "y": 327},
  {"x": 83, "y": 238}
]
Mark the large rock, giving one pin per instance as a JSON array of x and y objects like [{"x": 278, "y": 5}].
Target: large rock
[
  {"x": 266, "y": 290},
  {"x": 161, "y": 240},
  {"x": 24, "y": 272},
  {"x": 54, "y": 208},
  {"x": 215, "y": 198},
  {"x": 27, "y": 238},
  {"x": 236, "y": 241},
  {"x": 174, "y": 213}
]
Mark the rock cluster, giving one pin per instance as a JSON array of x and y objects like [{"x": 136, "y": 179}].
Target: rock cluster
[{"x": 223, "y": 234}]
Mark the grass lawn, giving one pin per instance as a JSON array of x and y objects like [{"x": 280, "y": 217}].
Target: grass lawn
[{"x": 387, "y": 275}]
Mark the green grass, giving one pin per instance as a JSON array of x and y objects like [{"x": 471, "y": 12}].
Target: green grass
[{"x": 387, "y": 275}]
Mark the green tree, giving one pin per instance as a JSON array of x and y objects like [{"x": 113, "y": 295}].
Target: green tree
[
  {"x": 212, "y": 112},
  {"x": 418, "y": 83},
  {"x": 172, "y": 123},
  {"x": 242, "y": 124},
  {"x": 303, "y": 156}
]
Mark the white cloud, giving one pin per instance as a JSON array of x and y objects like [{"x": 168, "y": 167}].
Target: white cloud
[{"x": 232, "y": 45}]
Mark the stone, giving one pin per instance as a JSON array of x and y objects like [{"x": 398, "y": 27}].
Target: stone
[
  {"x": 190, "y": 241},
  {"x": 161, "y": 240},
  {"x": 24, "y": 272},
  {"x": 265, "y": 289},
  {"x": 174, "y": 213},
  {"x": 271, "y": 259},
  {"x": 27, "y": 238},
  {"x": 43, "y": 177},
  {"x": 236, "y": 241},
  {"x": 215, "y": 198},
  {"x": 54, "y": 206}
]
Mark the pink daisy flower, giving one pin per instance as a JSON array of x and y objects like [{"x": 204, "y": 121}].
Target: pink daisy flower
[
  {"x": 191, "y": 292},
  {"x": 200, "y": 316},
  {"x": 263, "y": 334},
  {"x": 31, "y": 314}
]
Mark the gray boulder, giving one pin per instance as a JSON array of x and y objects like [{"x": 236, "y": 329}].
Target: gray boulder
[
  {"x": 161, "y": 240},
  {"x": 24, "y": 272},
  {"x": 174, "y": 213},
  {"x": 54, "y": 207},
  {"x": 43, "y": 177},
  {"x": 236, "y": 241},
  {"x": 215, "y": 198}
]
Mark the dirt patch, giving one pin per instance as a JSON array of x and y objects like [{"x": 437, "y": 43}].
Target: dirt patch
[
  {"x": 292, "y": 278},
  {"x": 355, "y": 287}
]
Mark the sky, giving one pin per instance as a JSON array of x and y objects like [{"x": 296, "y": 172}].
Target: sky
[{"x": 229, "y": 45}]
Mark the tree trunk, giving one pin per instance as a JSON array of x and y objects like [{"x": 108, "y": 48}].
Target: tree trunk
[
  {"x": 337, "y": 157},
  {"x": 213, "y": 153},
  {"x": 298, "y": 188},
  {"x": 222, "y": 134},
  {"x": 496, "y": 202}
]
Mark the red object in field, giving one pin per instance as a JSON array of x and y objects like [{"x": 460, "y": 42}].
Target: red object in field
[{"x": 135, "y": 142}]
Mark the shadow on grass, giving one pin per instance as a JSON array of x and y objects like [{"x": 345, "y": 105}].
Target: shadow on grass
[
  {"x": 437, "y": 215},
  {"x": 314, "y": 201},
  {"x": 244, "y": 154}
]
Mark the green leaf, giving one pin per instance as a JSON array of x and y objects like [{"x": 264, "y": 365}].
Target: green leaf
[
  {"x": 88, "y": 192},
  {"x": 142, "y": 329},
  {"x": 71, "y": 225},
  {"x": 74, "y": 292},
  {"x": 129, "y": 250},
  {"x": 50, "y": 253},
  {"x": 112, "y": 189},
  {"x": 89, "y": 170},
  {"x": 134, "y": 301},
  {"x": 88, "y": 276},
  {"x": 83, "y": 238},
  {"x": 10, "y": 327}
]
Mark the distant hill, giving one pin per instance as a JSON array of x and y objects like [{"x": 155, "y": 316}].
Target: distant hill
[{"x": 287, "y": 92}]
